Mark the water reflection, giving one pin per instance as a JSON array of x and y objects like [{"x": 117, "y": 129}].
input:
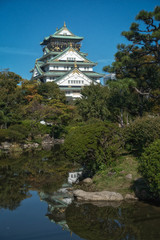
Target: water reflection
[
  {"x": 133, "y": 221},
  {"x": 40, "y": 171},
  {"x": 45, "y": 173},
  {"x": 57, "y": 205}
]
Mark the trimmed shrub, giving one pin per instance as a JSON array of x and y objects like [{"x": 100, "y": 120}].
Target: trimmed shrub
[
  {"x": 149, "y": 166},
  {"x": 3, "y": 135},
  {"x": 35, "y": 128},
  {"x": 11, "y": 135},
  {"x": 20, "y": 129},
  {"x": 93, "y": 145},
  {"x": 141, "y": 133}
]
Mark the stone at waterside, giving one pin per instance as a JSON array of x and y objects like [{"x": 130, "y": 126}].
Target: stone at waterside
[
  {"x": 81, "y": 195},
  {"x": 47, "y": 140},
  {"x": 5, "y": 145},
  {"x": 88, "y": 181},
  {"x": 30, "y": 145},
  {"x": 130, "y": 197}
]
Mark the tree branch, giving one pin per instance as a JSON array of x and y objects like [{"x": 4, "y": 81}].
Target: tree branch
[{"x": 141, "y": 93}]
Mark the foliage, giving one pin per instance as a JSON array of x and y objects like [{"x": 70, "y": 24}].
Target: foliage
[
  {"x": 50, "y": 91},
  {"x": 139, "y": 61},
  {"x": 120, "y": 101},
  {"x": 93, "y": 103},
  {"x": 10, "y": 98},
  {"x": 108, "y": 221},
  {"x": 11, "y": 135},
  {"x": 29, "y": 89},
  {"x": 141, "y": 133},
  {"x": 25, "y": 106},
  {"x": 35, "y": 128},
  {"x": 149, "y": 166},
  {"x": 147, "y": 35},
  {"x": 93, "y": 145},
  {"x": 43, "y": 171}
]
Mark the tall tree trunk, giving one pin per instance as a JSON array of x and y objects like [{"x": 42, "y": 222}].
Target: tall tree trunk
[
  {"x": 141, "y": 106},
  {"x": 127, "y": 119},
  {"x": 121, "y": 118}
]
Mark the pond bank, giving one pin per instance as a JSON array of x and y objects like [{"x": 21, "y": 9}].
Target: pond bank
[
  {"x": 81, "y": 195},
  {"x": 46, "y": 143},
  {"x": 123, "y": 178}
]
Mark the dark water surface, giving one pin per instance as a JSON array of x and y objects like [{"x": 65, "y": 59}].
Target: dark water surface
[{"x": 28, "y": 211}]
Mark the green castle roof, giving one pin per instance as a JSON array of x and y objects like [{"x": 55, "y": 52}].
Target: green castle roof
[
  {"x": 62, "y": 73},
  {"x": 67, "y": 73},
  {"x": 57, "y": 35},
  {"x": 49, "y": 53},
  {"x": 68, "y": 48}
]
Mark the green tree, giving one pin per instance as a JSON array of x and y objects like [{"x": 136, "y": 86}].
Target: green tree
[
  {"x": 150, "y": 166},
  {"x": 145, "y": 38},
  {"x": 93, "y": 103},
  {"x": 50, "y": 91},
  {"x": 121, "y": 101},
  {"x": 10, "y": 98},
  {"x": 93, "y": 144},
  {"x": 140, "y": 60},
  {"x": 142, "y": 132}
]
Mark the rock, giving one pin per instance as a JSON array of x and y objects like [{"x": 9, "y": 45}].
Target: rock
[
  {"x": 6, "y": 145},
  {"x": 59, "y": 141},
  {"x": 97, "y": 196},
  {"x": 25, "y": 146},
  {"x": 130, "y": 197},
  {"x": 111, "y": 173},
  {"x": 35, "y": 145},
  {"x": 88, "y": 180},
  {"x": 47, "y": 140},
  {"x": 30, "y": 145},
  {"x": 129, "y": 176}
]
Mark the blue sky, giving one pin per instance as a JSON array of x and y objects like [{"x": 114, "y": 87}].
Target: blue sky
[{"x": 25, "y": 23}]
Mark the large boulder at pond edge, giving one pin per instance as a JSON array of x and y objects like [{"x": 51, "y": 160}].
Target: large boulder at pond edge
[{"x": 81, "y": 195}]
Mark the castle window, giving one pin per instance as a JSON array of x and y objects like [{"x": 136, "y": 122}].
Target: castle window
[{"x": 71, "y": 59}]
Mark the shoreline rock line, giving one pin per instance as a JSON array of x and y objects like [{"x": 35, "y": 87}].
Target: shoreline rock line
[{"x": 81, "y": 195}]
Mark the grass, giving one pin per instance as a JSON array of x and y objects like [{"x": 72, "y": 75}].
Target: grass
[{"x": 114, "y": 178}]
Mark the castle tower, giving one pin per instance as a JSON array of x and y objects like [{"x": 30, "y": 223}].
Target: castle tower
[{"x": 64, "y": 63}]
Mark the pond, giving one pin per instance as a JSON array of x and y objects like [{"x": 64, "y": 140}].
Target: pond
[{"x": 30, "y": 209}]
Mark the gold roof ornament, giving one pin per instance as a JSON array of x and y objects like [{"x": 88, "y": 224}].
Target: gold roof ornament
[
  {"x": 71, "y": 45},
  {"x": 75, "y": 65},
  {"x": 64, "y": 24},
  {"x": 76, "y": 71}
]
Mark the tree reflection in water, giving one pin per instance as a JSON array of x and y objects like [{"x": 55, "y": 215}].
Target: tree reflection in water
[
  {"x": 133, "y": 221},
  {"x": 41, "y": 171},
  {"x": 45, "y": 172}
]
